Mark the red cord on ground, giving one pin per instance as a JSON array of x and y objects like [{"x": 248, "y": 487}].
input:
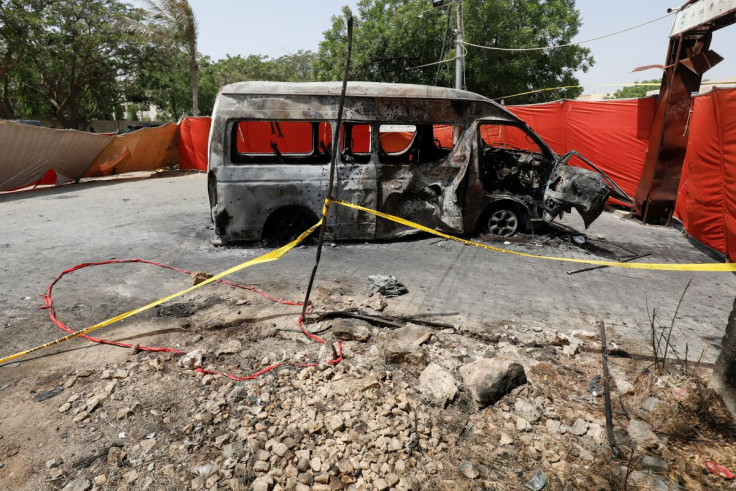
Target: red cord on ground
[{"x": 49, "y": 305}]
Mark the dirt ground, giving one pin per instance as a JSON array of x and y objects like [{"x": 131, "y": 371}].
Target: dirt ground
[{"x": 143, "y": 421}]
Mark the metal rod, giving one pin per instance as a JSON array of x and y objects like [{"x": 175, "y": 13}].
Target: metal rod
[
  {"x": 333, "y": 160},
  {"x": 607, "y": 393}
]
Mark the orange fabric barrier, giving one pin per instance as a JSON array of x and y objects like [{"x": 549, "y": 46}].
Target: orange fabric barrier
[
  {"x": 613, "y": 134},
  {"x": 193, "y": 139},
  {"x": 706, "y": 200},
  {"x": 142, "y": 150}
]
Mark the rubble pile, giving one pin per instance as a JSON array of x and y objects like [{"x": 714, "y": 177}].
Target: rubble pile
[{"x": 414, "y": 407}]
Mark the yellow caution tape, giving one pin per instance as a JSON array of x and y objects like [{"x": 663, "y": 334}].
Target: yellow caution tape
[
  {"x": 702, "y": 267},
  {"x": 265, "y": 258}
]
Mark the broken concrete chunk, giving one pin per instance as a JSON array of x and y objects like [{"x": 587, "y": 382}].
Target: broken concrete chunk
[
  {"x": 351, "y": 330},
  {"x": 199, "y": 277},
  {"x": 642, "y": 434},
  {"x": 489, "y": 379},
  {"x": 192, "y": 360},
  {"x": 468, "y": 470},
  {"x": 413, "y": 334},
  {"x": 229, "y": 348},
  {"x": 437, "y": 385},
  {"x": 527, "y": 410},
  {"x": 80, "y": 484},
  {"x": 376, "y": 302}
]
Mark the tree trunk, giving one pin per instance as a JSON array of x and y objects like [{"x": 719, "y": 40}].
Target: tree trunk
[{"x": 193, "y": 77}]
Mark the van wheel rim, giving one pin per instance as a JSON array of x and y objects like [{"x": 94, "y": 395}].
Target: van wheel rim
[{"x": 503, "y": 223}]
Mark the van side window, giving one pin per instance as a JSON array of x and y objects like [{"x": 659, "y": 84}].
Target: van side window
[
  {"x": 355, "y": 144},
  {"x": 304, "y": 142},
  {"x": 414, "y": 144}
]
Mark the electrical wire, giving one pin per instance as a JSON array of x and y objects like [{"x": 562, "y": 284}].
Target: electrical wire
[{"x": 541, "y": 48}]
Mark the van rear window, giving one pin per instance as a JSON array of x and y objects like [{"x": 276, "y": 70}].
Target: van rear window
[{"x": 281, "y": 142}]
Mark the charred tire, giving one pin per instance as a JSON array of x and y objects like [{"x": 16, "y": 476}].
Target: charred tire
[
  {"x": 286, "y": 224},
  {"x": 503, "y": 220}
]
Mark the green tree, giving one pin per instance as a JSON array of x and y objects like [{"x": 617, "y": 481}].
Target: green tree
[
  {"x": 172, "y": 26},
  {"x": 79, "y": 64},
  {"x": 635, "y": 91},
  {"x": 391, "y": 37},
  {"x": 20, "y": 21}
]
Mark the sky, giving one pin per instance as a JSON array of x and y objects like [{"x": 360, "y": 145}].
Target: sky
[{"x": 278, "y": 27}]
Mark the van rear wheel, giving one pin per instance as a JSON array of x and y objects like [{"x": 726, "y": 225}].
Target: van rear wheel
[{"x": 502, "y": 222}]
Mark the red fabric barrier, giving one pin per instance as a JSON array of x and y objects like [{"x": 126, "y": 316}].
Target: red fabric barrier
[
  {"x": 193, "y": 139},
  {"x": 613, "y": 134},
  {"x": 706, "y": 200}
]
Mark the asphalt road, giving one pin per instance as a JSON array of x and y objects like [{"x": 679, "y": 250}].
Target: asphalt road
[{"x": 165, "y": 219}]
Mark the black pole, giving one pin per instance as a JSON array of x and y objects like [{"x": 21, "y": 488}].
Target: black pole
[{"x": 330, "y": 185}]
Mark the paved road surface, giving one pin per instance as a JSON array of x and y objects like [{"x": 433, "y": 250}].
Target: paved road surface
[{"x": 165, "y": 219}]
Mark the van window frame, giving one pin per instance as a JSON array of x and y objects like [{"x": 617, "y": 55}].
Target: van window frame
[{"x": 315, "y": 157}]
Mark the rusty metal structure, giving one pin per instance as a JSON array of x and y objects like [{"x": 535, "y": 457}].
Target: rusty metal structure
[{"x": 688, "y": 58}]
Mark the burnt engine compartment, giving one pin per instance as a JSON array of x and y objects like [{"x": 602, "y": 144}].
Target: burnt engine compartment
[{"x": 513, "y": 171}]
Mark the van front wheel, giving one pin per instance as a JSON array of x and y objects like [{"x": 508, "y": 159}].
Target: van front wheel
[{"x": 502, "y": 223}]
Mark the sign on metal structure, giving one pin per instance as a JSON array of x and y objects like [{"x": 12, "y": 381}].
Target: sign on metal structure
[{"x": 700, "y": 13}]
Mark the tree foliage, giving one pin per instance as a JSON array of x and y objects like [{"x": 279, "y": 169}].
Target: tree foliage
[
  {"x": 391, "y": 37},
  {"x": 76, "y": 66},
  {"x": 172, "y": 26},
  {"x": 636, "y": 90}
]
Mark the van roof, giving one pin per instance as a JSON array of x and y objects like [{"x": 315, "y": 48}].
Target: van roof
[{"x": 354, "y": 89}]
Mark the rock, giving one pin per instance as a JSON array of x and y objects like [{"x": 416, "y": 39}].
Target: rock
[
  {"x": 264, "y": 483},
  {"x": 351, "y": 330},
  {"x": 641, "y": 433},
  {"x": 64, "y": 407},
  {"x": 233, "y": 450},
  {"x": 622, "y": 384},
  {"x": 649, "y": 404},
  {"x": 100, "y": 480},
  {"x": 468, "y": 470},
  {"x": 489, "y": 379},
  {"x": 553, "y": 427},
  {"x": 654, "y": 464},
  {"x": 522, "y": 424},
  {"x": 335, "y": 422},
  {"x": 81, "y": 416},
  {"x": 115, "y": 456},
  {"x": 579, "y": 427},
  {"x": 573, "y": 347},
  {"x": 397, "y": 352},
  {"x": 437, "y": 385},
  {"x": 380, "y": 484},
  {"x": 527, "y": 410},
  {"x": 131, "y": 476},
  {"x": 261, "y": 466},
  {"x": 279, "y": 449},
  {"x": 376, "y": 302},
  {"x": 148, "y": 444},
  {"x": 505, "y": 439},
  {"x": 80, "y": 484},
  {"x": 200, "y": 276},
  {"x": 412, "y": 334},
  {"x": 229, "y": 348},
  {"x": 192, "y": 360},
  {"x": 124, "y": 413}
]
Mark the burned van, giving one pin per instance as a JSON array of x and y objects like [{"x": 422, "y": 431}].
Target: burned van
[{"x": 448, "y": 159}]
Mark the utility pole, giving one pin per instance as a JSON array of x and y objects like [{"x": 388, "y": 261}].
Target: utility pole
[{"x": 459, "y": 50}]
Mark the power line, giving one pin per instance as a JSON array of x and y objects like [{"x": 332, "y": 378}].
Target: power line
[{"x": 575, "y": 43}]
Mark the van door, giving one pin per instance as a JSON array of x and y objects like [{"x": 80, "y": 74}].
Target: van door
[
  {"x": 355, "y": 182},
  {"x": 418, "y": 178}
]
